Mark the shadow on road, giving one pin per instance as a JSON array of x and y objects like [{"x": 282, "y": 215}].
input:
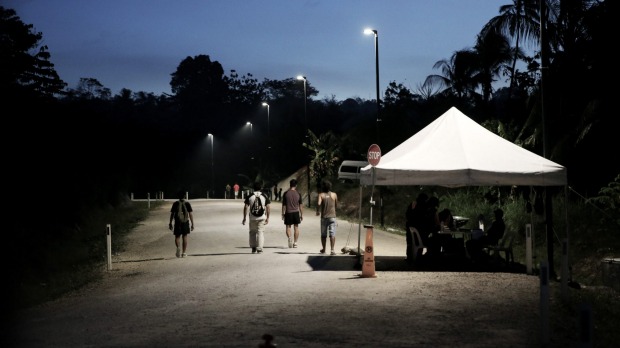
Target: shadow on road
[{"x": 398, "y": 264}]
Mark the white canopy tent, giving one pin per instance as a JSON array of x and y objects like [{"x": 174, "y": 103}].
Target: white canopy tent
[{"x": 455, "y": 151}]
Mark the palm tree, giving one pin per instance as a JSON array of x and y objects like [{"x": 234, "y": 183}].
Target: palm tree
[
  {"x": 325, "y": 154},
  {"x": 493, "y": 50},
  {"x": 457, "y": 76},
  {"x": 519, "y": 21}
]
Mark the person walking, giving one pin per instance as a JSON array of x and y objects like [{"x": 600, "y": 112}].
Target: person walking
[
  {"x": 258, "y": 207},
  {"x": 236, "y": 189},
  {"x": 326, "y": 207},
  {"x": 182, "y": 214},
  {"x": 292, "y": 212}
]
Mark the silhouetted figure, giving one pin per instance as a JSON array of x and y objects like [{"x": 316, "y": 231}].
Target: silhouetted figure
[
  {"x": 181, "y": 213},
  {"x": 414, "y": 218},
  {"x": 327, "y": 203},
  {"x": 430, "y": 226},
  {"x": 268, "y": 342},
  {"x": 491, "y": 237}
]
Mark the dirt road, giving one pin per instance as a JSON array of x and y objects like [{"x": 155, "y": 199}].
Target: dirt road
[{"x": 222, "y": 295}]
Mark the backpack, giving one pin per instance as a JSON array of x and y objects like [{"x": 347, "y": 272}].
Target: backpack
[
  {"x": 257, "y": 209},
  {"x": 182, "y": 214}
]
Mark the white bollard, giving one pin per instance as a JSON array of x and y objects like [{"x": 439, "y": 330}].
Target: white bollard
[{"x": 108, "y": 230}]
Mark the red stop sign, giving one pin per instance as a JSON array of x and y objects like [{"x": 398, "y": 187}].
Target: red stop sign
[{"x": 374, "y": 154}]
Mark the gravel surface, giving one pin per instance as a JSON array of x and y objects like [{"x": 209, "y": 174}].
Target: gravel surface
[{"x": 222, "y": 295}]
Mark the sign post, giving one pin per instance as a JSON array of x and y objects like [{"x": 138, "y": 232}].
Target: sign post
[
  {"x": 373, "y": 156},
  {"x": 368, "y": 267}
]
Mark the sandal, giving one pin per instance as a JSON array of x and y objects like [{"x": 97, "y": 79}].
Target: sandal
[
  {"x": 333, "y": 253},
  {"x": 322, "y": 251}
]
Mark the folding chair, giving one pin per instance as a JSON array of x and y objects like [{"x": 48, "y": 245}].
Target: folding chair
[
  {"x": 419, "y": 248},
  {"x": 504, "y": 245}
]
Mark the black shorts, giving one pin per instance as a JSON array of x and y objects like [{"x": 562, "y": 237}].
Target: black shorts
[
  {"x": 292, "y": 218},
  {"x": 181, "y": 229}
]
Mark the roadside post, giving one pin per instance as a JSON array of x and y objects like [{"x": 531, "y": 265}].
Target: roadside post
[
  {"x": 368, "y": 268},
  {"x": 108, "y": 232}
]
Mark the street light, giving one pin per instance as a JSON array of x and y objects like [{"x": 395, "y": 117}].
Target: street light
[
  {"x": 212, "y": 171},
  {"x": 268, "y": 136},
  {"x": 251, "y": 129},
  {"x": 370, "y": 32},
  {"x": 251, "y": 137},
  {"x": 301, "y": 77}
]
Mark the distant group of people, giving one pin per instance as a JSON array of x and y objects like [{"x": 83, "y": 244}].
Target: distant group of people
[
  {"x": 292, "y": 216},
  {"x": 277, "y": 193},
  {"x": 424, "y": 215}
]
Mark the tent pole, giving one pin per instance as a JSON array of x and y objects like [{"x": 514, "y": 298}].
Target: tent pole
[
  {"x": 359, "y": 229},
  {"x": 372, "y": 191},
  {"x": 568, "y": 276},
  {"x": 544, "y": 65}
]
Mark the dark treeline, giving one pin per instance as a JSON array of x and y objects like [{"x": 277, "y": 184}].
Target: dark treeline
[{"x": 86, "y": 145}]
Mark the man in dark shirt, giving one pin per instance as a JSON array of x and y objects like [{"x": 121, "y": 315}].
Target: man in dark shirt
[
  {"x": 292, "y": 212},
  {"x": 492, "y": 236}
]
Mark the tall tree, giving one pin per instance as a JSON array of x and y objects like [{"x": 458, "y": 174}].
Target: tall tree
[
  {"x": 458, "y": 75},
  {"x": 25, "y": 63},
  {"x": 200, "y": 90},
  {"x": 494, "y": 53},
  {"x": 91, "y": 88},
  {"x": 199, "y": 83},
  {"x": 244, "y": 90},
  {"x": 520, "y": 21}
]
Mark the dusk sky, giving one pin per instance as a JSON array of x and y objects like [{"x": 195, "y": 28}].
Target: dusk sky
[{"x": 137, "y": 44}]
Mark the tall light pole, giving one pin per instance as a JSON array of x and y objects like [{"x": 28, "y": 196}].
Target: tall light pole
[
  {"x": 369, "y": 32},
  {"x": 212, "y": 171},
  {"x": 301, "y": 77},
  {"x": 251, "y": 137},
  {"x": 268, "y": 136}
]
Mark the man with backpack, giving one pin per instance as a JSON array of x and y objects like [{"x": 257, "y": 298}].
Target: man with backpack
[
  {"x": 182, "y": 214},
  {"x": 257, "y": 205}
]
